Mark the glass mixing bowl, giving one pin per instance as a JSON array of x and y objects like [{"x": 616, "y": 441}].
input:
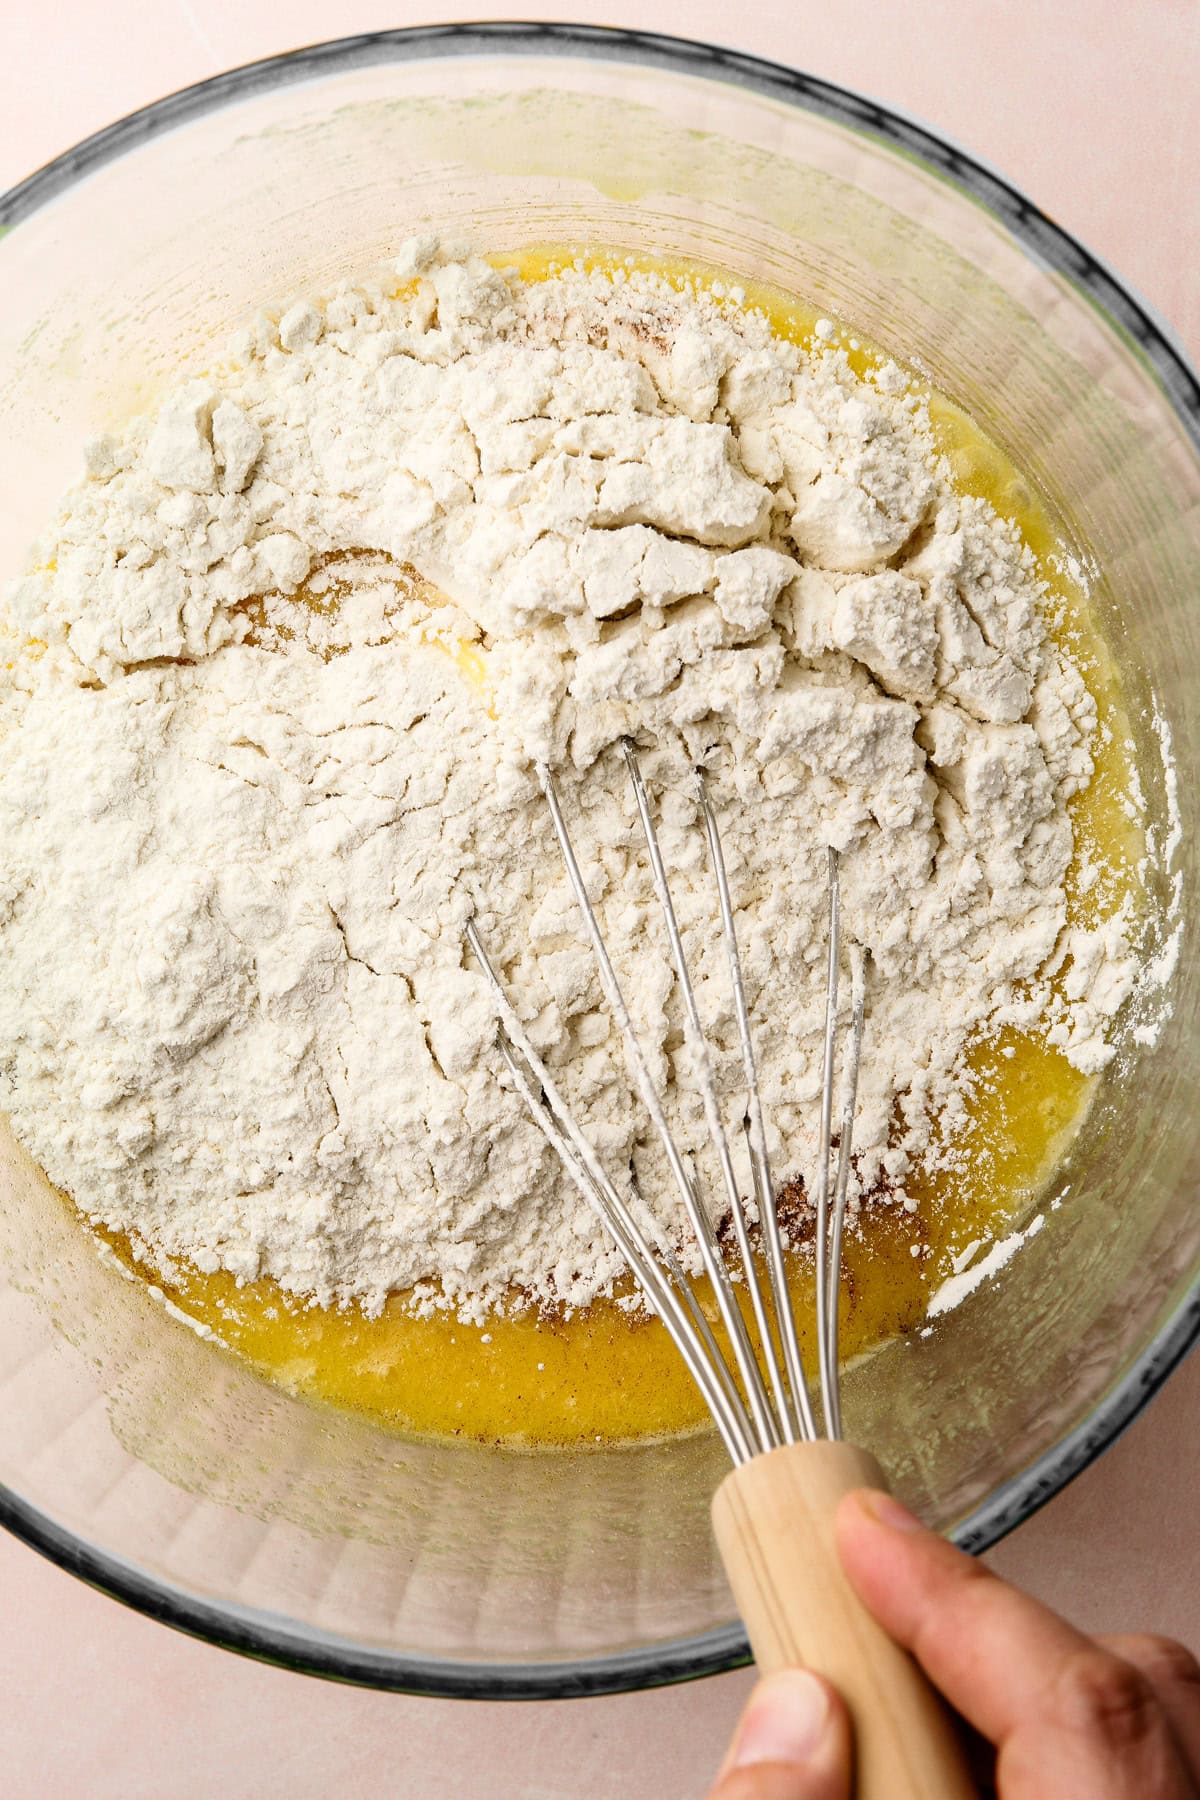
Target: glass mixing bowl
[{"x": 155, "y": 1467}]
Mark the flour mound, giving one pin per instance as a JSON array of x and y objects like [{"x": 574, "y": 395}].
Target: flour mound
[{"x": 280, "y": 675}]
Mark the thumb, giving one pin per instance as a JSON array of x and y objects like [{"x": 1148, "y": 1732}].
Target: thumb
[{"x": 792, "y": 1743}]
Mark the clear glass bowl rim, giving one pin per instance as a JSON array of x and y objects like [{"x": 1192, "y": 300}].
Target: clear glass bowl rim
[{"x": 271, "y": 1638}]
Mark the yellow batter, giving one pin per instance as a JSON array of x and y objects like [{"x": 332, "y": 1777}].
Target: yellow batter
[{"x": 602, "y": 1375}]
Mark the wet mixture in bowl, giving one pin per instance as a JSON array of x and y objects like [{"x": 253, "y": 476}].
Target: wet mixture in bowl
[{"x": 272, "y": 694}]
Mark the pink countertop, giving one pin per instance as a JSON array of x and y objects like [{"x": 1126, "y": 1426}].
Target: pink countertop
[{"x": 1088, "y": 106}]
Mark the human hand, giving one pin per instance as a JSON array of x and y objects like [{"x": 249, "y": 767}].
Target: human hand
[{"x": 1054, "y": 1713}]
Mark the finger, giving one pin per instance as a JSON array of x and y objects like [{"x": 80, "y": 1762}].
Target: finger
[
  {"x": 1101, "y": 1734},
  {"x": 793, "y": 1742},
  {"x": 1068, "y": 1718},
  {"x": 992, "y": 1650},
  {"x": 1174, "y": 1674}
]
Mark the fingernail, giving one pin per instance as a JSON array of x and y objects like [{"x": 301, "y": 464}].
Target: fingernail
[
  {"x": 886, "y": 1511},
  {"x": 787, "y": 1720}
]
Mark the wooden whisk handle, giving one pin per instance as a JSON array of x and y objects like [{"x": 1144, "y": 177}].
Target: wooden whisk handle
[{"x": 773, "y": 1519}]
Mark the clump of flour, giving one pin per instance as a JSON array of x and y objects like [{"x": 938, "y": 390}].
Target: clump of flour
[{"x": 282, "y": 671}]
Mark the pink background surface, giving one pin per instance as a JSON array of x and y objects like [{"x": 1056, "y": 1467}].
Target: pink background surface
[{"x": 1091, "y": 109}]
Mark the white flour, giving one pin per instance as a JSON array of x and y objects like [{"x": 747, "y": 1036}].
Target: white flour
[{"x": 240, "y": 836}]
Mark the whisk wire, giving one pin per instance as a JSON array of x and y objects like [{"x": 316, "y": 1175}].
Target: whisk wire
[
  {"x": 703, "y": 1071},
  {"x": 828, "y": 1373},
  {"x": 696, "y": 1313},
  {"x": 585, "y": 1170},
  {"x": 800, "y": 1415},
  {"x": 842, "y": 1184},
  {"x": 736, "y": 1396},
  {"x": 714, "y": 1263}
]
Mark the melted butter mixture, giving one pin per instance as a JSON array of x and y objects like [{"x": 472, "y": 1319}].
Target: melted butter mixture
[{"x": 604, "y": 1374}]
